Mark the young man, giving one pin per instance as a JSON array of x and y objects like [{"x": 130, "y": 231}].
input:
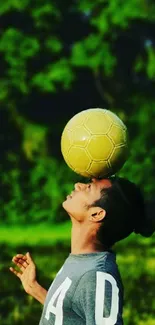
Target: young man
[{"x": 88, "y": 289}]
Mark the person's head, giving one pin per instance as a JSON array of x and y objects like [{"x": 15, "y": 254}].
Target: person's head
[
  {"x": 115, "y": 203},
  {"x": 80, "y": 203}
]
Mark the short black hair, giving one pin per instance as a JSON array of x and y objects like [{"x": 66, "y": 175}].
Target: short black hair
[{"x": 125, "y": 210}]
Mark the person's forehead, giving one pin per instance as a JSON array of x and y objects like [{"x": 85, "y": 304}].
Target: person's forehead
[{"x": 102, "y": 183}]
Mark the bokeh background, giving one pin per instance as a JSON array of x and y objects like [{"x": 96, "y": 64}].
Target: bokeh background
[{"x": 56, "y": 59}]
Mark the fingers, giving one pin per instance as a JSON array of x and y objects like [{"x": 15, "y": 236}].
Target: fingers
[
  {"x": 18, "y": 274},
  {"x": 22, "y": 256},
  {"x": 20, "y": 263},
  {"x": 29, "y": 259},
  {"x": 23, "y": 263}
]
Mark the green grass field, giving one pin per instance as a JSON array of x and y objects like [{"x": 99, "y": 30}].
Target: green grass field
[{"x": 35, "y": 234}]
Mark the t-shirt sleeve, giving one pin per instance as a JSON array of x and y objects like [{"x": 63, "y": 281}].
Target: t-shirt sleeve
[{"x": 96, "y": 298}]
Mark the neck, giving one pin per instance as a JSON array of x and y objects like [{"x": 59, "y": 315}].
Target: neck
[{"x": 83, "y": 239}]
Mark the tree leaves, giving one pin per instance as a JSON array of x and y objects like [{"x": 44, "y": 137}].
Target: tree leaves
[{"x": 114, "y": 41}]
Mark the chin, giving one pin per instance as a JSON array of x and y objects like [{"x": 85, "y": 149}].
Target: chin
[
  {"x": 66, "y": 202},
  {"x": 65, "y": 206}
]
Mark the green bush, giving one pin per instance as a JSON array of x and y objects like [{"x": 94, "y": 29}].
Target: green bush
[{"x": 35, "y": 193}]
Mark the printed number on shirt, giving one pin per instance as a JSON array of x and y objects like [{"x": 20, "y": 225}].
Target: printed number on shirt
[
  {"x": 58, "y": 310},
  {"x": 101, "y": 277}
]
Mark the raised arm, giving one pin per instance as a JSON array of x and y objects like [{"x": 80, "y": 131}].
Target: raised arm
[{"x": 27, "y": 275}]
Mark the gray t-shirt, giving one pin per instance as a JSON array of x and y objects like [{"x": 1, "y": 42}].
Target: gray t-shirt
[{"x": 87, "y": 290}]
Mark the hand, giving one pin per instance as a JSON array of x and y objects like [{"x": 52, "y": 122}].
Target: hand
[{"x": 27, "y": 273}]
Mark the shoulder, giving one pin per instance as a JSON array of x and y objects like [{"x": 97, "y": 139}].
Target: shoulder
[
  {"x": 105, "y": 272},
  {"x": 109, "y": 265},
  {"x": 93, "y": 280}
]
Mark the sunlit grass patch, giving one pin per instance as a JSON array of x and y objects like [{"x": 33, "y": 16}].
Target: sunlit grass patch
[{"x": 44, "y": 234}]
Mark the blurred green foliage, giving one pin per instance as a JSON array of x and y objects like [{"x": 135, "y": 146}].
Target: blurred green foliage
[
  {"x": 140, "y": 166},
  {"x": 21, "y": 49},
  {"x": 35, "y": 192}
]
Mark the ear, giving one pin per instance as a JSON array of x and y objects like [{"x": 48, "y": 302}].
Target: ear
[{"x": 97, "y": 214}]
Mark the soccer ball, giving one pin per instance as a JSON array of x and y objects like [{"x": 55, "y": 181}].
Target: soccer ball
[{"x": 94, "y": 143}]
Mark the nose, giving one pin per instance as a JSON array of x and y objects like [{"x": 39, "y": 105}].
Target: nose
[{"x": 79, "y": 186}]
